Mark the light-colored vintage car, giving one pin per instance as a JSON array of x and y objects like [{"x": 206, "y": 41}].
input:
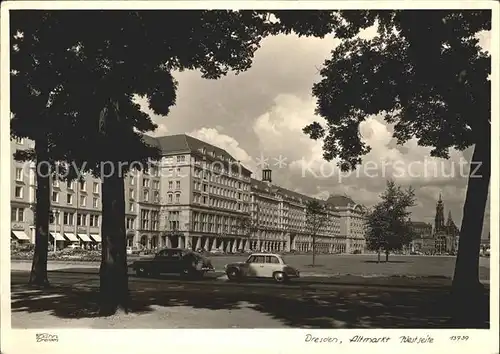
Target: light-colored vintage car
[{"x": 262, "y": 265}]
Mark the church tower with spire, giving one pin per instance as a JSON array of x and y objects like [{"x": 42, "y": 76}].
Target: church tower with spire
[
  {"x": 439, "y": 219},
  {"x": 449, "y": 221}
]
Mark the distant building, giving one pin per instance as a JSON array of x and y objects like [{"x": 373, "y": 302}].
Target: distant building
[
  {"x": 485, "y": 243},
  {"x": 444, "y": 237},
  {"x": 445, "y": 234},
  {"x": 279, "y": 215},
  {"x": 424, "y": 242}
]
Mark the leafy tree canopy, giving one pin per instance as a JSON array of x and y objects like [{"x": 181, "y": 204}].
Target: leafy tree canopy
[
  {"x": 424, "y": 71},
  {"x": 316, "y": 216},
  {"x": 82, "y": 86},
  {"x": 389, "y": 227}
]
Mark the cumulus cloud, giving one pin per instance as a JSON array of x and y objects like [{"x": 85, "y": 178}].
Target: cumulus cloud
[
  {"x": 226, "y": 142},
  {"x": 279, "y": 131}
]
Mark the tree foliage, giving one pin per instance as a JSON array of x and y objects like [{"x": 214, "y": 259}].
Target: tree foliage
[
  {"x": 426, "y": 74},
  {"x": 75, "y": 97},
  {"x": 316, "y": 216},
  {"x": 424, "y": 71},
  {"x": 389, "y": 228}
]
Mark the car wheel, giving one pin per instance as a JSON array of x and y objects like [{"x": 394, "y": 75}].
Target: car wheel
[
  {"x": 280, "y": 277},
  {"x": 233, "y": 274}
]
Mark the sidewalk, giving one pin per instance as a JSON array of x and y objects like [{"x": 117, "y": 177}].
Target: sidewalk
[{"x": 21, "y": 265}]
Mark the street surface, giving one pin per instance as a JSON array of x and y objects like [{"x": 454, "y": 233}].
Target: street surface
[
  {"x": 330, "y": 265},
  {"x": 350, "y": 291}
]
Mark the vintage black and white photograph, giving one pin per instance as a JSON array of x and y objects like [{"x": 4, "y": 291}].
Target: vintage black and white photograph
[{"x": 246, "y": 168}]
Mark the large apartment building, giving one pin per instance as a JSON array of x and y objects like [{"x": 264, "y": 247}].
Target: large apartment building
[
  {"x": 196, "y": 196},
  {"x": 279, "y": 217},
  {"x": 75, "y": 206}
]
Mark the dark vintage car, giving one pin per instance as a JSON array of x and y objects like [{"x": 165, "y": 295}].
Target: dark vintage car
[{"x": 173, "y": 261}]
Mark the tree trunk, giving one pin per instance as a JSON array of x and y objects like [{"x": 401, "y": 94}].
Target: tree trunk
[
  {"x": 38, "y": 275},
  {"x": 467, "y": 291},
  {"x": 378, "y": 256},
  {"x": 113, "y": 271},
  {"x": 314, "y": 249},
  {"x": 386, "y": 256}
]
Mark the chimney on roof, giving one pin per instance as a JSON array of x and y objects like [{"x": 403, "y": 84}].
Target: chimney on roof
[{"x": 266, "y": 175}]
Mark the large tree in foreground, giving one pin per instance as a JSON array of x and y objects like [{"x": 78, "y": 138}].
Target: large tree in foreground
[
  {"x": 96, "y": 71},
  {"x": 35, "y": 82},
  {"x": 388, "y": 223},
  {"x": 425, "y": 73}
]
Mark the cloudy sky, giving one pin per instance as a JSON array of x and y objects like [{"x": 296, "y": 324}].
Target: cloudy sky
[{"x": 261, "y": 113}]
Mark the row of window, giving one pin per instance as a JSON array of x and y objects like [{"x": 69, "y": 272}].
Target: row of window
[
  {"x": 17, "y": 215},
  {"x": 155, "y": 184},
  {"x": 130, "y": 223},
  {"x": 150, "y": 219},
  {"x": 171, "y": 185},
  {"x": 222, "y": 180},
  {"x": 219, "y": 203},
  {"x": 55, "y": 184},
  {"x": 70, "y": 197},
  {"x": 171, "y": 159},
  {"x": 198, "y": 186},
  {"x": 82, "y": 185},
  {"x": 172, "y": 220},
  {"x": 68, "y": 218},
  {"x": 203, "y": 222}
]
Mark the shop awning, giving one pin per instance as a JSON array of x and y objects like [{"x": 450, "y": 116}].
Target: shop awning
[
  {"x": 57, "y": 236},
  {"x": 96, "y": 238},
  {"x": 84, "y": 238},
  {"x": 71, "y": 237},
  {"x": 20, "y": 235}
]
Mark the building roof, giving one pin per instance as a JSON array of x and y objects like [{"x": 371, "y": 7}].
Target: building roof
[
  {"x": 420, "y": 223},
  {"x": 183, "y": 143},
  {"x": 332, "y": 201},
  {"x": 340, "y": 200}
]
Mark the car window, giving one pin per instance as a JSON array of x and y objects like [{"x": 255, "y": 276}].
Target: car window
[
  {"x": 272, "y": 259},
  {"x": 258, "y": 259},
  {"x": 174, "y": 254},
  {"x": 251, "y": 259},
  {"x": 163, "y": 253}
]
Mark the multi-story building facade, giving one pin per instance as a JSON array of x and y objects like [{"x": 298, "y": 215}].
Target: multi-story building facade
[
  {"x": 279, "y": 221},
  {"x": 75, "y": 206},
  {"x": 424, "y": 241},
  {"x": 197, "y": 196}
]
